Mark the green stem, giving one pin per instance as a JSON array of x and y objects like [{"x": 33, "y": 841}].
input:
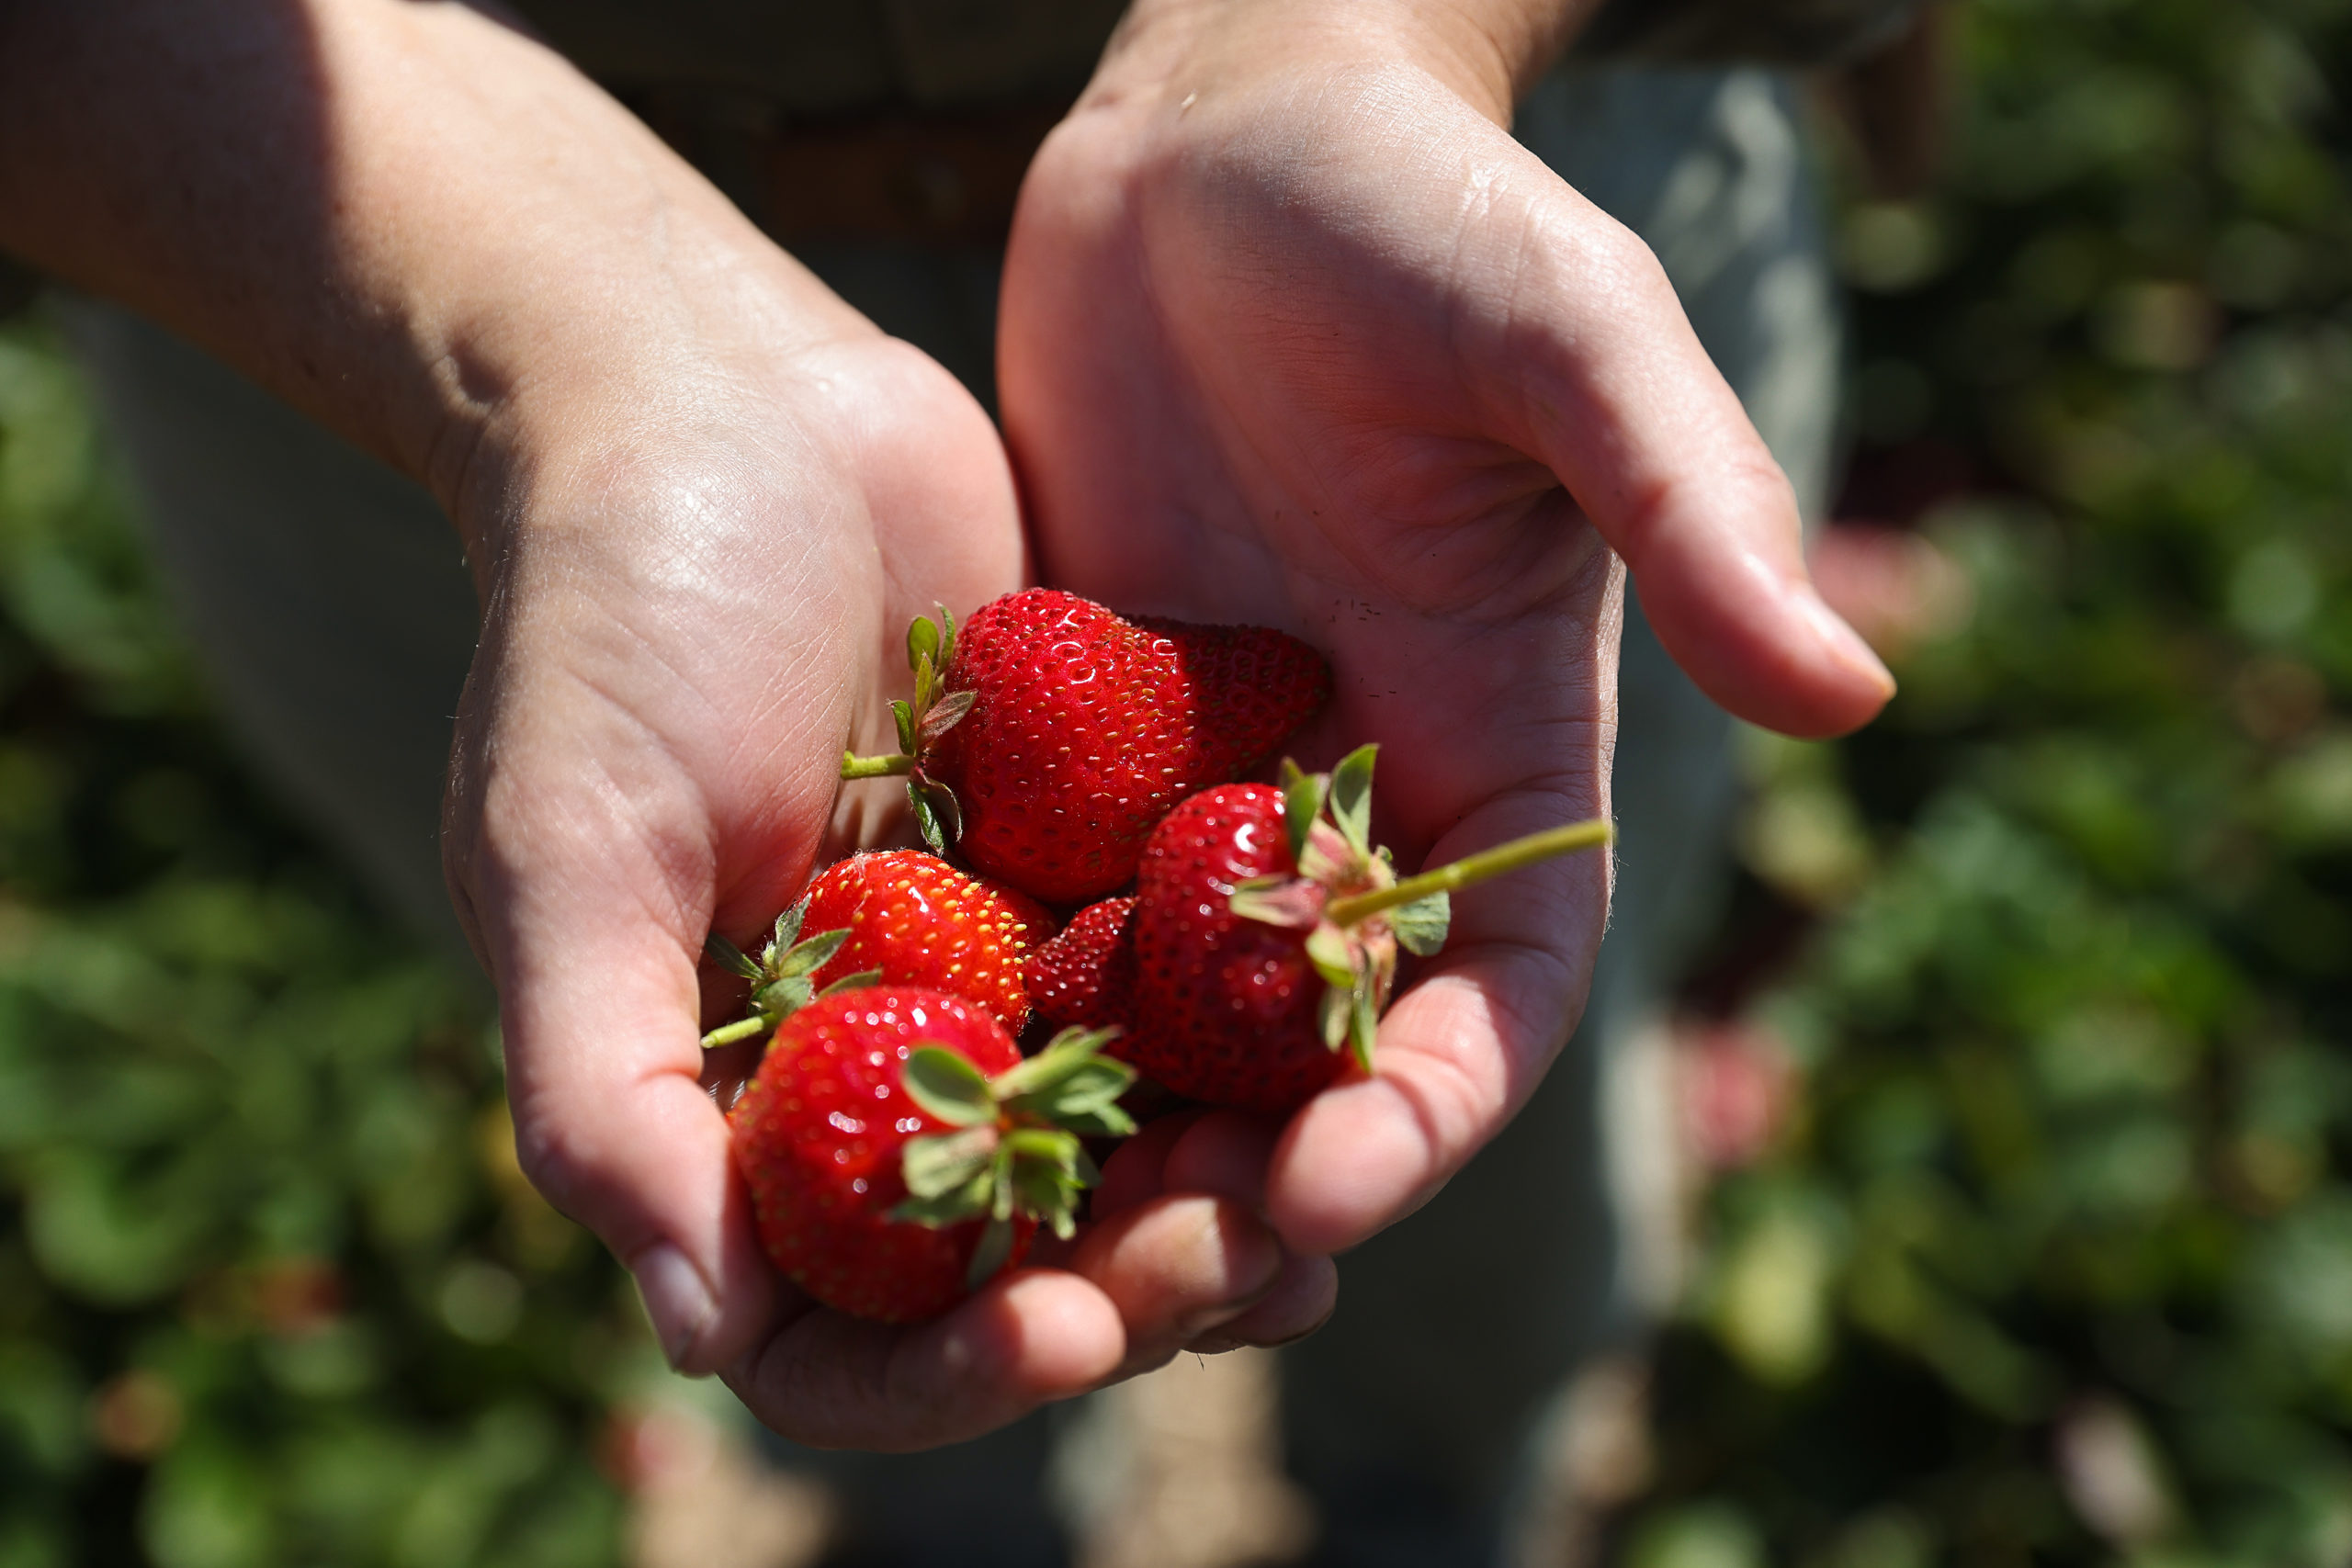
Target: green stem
[
  {"x": 856, "y": 767},
  {"x": 1518, "y": 852},
  {"x": 741, "y": 1029}
]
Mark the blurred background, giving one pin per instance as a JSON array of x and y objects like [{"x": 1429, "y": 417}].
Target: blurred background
[{"x": 2015, "y": 1089}]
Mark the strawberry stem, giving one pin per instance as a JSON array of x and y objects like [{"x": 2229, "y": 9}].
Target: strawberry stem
[
  {"x": 1511, "y": 856},
  {"x": 856, "y": 767},
  {"x": 741, "y": 1029}
]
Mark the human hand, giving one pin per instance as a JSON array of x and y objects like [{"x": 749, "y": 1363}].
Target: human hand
[
  {"x": 698, "y": 568},
  {"x": 702, "y": 498},
  {"x": 1294, "y": 333}
]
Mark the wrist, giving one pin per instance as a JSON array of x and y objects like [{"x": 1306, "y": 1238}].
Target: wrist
[{"x": 1487, "y": 52}]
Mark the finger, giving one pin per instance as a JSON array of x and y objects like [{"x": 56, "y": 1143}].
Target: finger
[
  {"x": 1134, "y": 1171},
  {"x": 1225, "y": 1154},
  {"x": 613, "y": 1126},
  {"x": 1460, "y": 1051},
  {"x": 832, "y": 1380},
  {"x": 1301, "y": 1299},
  {"x": 1610, "y": 387},
  {"x": 1177, "y": 1266}
]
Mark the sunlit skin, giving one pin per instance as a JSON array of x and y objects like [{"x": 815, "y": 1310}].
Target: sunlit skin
[
  {"x": 702, "y": 498},
  {"x": 1294, "y": 333}
]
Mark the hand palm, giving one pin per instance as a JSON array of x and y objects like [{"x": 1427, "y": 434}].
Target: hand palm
[
  {"x": 1324, "y": 356},
  {"x": 649, "y": 750}
]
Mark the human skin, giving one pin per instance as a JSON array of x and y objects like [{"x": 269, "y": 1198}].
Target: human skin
[
  {"x": 701, "y": 498},
  {"x": 1292, "y": 332}
]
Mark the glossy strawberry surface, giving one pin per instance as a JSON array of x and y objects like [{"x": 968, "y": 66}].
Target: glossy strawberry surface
[
  {"x": 922, "y": 922},
  {"x": 1086, "y": 728},
  {"x": 819, "y": 1135},
  {"x": 1226, "y": 1008},
  {"x": 1085, "y": 977}
]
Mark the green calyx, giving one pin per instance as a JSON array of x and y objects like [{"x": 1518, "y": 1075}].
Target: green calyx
[
  {"x": 782, "y": 977},
  {"x": 1013, "y": 1149},
  {"x": 935, "y": 710},
  {"x": 1348, "y": 898}
]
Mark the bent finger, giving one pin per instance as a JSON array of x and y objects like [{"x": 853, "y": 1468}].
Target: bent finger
[{"x": 832, "y": 1380}]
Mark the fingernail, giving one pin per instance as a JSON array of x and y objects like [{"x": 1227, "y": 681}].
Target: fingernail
[
  {"x": 1843, "y": 642},
  {"x": 675, "y": 1298}
]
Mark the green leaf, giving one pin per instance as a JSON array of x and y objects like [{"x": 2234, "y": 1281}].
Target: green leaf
[
  {"x": 926, "y": 685},
  {"x": 952, "y": 1209},
  {"x": 946, "y": 1084},
  {"x": 788, "y": 929},
  {"x": 1049, "y": 1194},
  {"x": 1351, "y": 797},
  {"x": 1420, "y": 926},
  {"x": 1293, "y": 901},
  {"x": 1302, "y": 804},
  {"x": 730, "y": 957},
  {"x": 781, "y": 999},
  {"x": 946, "y": 715},
  {"x": 936, "y": 814},
  {"x": 905, "y": 717},
  {"x": 946, "y": 1163},
  {"x": 923, "y": 642},
  {"x": 1363, "y": 1017},
  {"x": 1332, "y": 1012},
  {"x": 1045, "y": 1146},
  {"x": 926, "y": 820},
  {"x": 995, "y": 1247},
  {"x": 1003, "y": 1175},
  {"x": 1327, "y": 949},
  {"x": 858, "y": 981},
  {"x": 809, "y": 956},
  {"x": 946, "y": 636}
]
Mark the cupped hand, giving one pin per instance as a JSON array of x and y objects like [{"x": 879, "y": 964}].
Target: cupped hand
[
  {"x": 697, "y": 575},
  {"x": 1294, "y": 333}
]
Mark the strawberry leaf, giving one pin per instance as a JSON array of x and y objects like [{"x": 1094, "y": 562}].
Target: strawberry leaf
[
  {"x": 923, "y": 642},
  {"x": 947, "y": 654},
  {"x": 807, "y": 957},
  {"x": 946, "y": 715},
  {"x": 1364, "y": 1014},
  {"x": 905, "y": 717},
  {"x": 945, "y": 1165},
  {"x": 926, "y": 684},
  {"x": 1294, "y": 901},
  {"x": 946, "y": 1084},
  {"x": 1327, "y": 949},
  {"x": 995, "y": 1247},
  {"x": 730, "y": 957},
  {"x": 788, "y": 930},
  {"x": 1420, "y": 926},
  {"x": 1351, "y": 797},
  {"x": 1332, "y": 1012},
  {"x": 1302, "y": 804},
  {"x": 858, "y": 981}
]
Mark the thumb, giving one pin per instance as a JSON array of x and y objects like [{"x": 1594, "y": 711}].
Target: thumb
[
  {"x": 600, "y": 1018},
  {"x": 1621, "y": 401}
]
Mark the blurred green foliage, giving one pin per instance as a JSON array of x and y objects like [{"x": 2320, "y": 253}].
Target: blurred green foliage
[
  {"x": 2053, "y": 1263},
  {"x": 271, "y": 1287}
]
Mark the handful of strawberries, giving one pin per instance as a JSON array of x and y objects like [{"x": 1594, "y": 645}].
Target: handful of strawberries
[{"x": 900, "y": 1148}]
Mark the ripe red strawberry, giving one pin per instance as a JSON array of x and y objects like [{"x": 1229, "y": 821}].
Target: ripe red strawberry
[
  {"x": 898, "y": 918},
  {"x": 899, "y": 1152},
  {"x": 1049, "y": 737},
  {"x": 1086, "y": 976},
  {"x": 1266, "y": 934}
]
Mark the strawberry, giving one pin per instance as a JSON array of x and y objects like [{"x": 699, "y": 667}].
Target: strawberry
[
  {"x": 1047, "y": 736},
  {"x": 1266, "y": 931},
  {"x": 1086, "y": 976},
  {"x": 899, "y": 1153},
  {"x": 899, "y": 917}
]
